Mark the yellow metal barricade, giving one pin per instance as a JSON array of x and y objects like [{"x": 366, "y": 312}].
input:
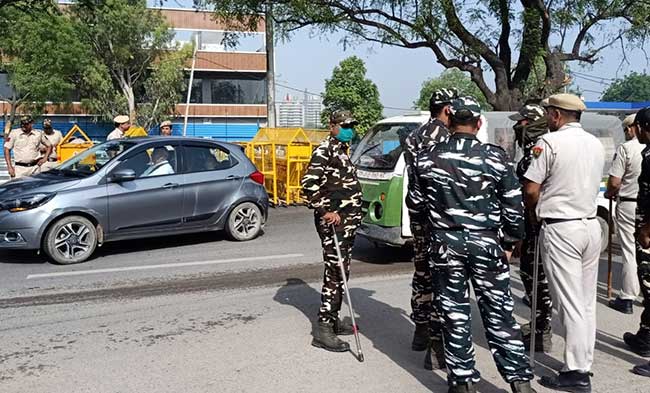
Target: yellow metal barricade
[
  {"x": 282, "y": 155},
  {"x": 71, "y": 147}
]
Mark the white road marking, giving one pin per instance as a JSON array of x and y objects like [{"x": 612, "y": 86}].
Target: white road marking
[{"x": 163, "y": 266}]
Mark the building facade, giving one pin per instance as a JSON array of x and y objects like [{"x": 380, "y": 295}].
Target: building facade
[{"x": 300, "y": 112}]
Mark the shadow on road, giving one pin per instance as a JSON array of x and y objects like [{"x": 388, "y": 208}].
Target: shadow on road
[
  {"x": 387, "y": 328},
  {"x": 21, "y": 257},
  {"x": 369, "y": 252}
]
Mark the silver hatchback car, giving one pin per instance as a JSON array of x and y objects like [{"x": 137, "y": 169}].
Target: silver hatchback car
[{"x": 133, "y": 188}]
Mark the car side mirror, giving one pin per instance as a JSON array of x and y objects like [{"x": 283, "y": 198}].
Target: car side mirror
[{"x": 121, "y": 176}]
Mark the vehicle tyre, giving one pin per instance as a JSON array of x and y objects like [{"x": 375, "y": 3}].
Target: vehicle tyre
[
  {"x": 72, "y": 239},
  {"x": 244, "y": 222},
  {"x": 604, "y": 234}
]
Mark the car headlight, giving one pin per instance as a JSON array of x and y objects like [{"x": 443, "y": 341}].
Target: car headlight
[{"x": 25, "y": 202}]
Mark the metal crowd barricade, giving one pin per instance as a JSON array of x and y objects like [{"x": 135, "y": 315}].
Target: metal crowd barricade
[{"x": 282, "y": 155}]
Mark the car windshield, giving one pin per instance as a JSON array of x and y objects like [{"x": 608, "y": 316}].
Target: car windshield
[
  {"x": 381, "y": 147},
  {"x": 90, "y": 161}
]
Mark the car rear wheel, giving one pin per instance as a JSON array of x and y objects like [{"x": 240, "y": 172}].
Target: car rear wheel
[
  {"x": 244, "y": 222},
  {"x": 70, "y": 240}
]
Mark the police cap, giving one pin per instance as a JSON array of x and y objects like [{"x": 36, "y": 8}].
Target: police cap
[
  {"x": 568, "y": 102},
  {"x": 343, "y": 118},
  {"x": 629, "y": 120},
  {"x": 530, "y": 112},
  {"x": 121, "y": 119},
  {"x": 443, "y": 96},
  {"x": 465, "y": 108},
  {"x": 166, "y": 123},
  {"x": 27, "y": 119},
  {"x": 642, "y": 118}
]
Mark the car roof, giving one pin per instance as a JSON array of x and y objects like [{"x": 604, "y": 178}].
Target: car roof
[{"x": 158, "y": 138}]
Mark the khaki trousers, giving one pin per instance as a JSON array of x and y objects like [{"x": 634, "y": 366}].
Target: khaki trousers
[
  {"x": 25, "y": 171},
  {"x": 629, "y": 280},
  {"x": 570, "y": 251},
  {"x": 49, "y": 165}
]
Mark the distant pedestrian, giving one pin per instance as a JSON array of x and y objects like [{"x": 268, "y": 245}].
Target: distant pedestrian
[
  {"x": 166, "y": 128},
  {"x": 55, "y": 137},
  {"x": 623, "y": 185},
  {"x": 25, "y": 142},
  {"x": 122, "y": 124},
  {"x": 331, "y": 188}
]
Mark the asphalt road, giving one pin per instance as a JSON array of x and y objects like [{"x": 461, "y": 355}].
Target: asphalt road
[{"x": 203, "y": 314}]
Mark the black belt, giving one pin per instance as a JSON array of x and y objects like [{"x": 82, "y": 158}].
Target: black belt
[
  {"x": 26, "y": 163},
  {"x": 549, "y": 221},
  {"x": 626, "y": 199}
]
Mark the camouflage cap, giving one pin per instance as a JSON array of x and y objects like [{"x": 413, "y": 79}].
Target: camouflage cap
[
  {"x": 642, "y": 118},
  {"x": 443, "y": 96},
  {"x": 27, "y": 119},
  {"x": 343, "y": 117},
  {"x": 47, "y": 123},
  {"x": 530, "y": 112},
  {"x": 465, "y": 108}
]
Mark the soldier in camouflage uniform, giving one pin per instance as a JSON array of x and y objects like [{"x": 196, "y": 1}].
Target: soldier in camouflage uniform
[
  {"x": 468, "y": 193},
  {"x": 428, "y": 333},
  {"x": 333, "y": 191},
  {"x": 640, "y": 342},
  {"x": 531, "y": 124}
]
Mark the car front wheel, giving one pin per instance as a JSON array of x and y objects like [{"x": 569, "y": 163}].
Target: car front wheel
[
  {"x": 70, "y": 240},
  {"x": 244, "y": 222}
]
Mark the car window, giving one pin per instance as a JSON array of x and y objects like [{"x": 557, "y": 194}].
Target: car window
[
  {"x": 207, "y": 158},
  {"x": 157, "y": 161}
]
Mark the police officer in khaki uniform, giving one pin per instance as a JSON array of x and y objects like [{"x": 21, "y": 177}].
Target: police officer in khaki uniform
[
  {"x": 624, "y": 186},
  {"x": 25, "y": 143},
  {"x": 55, "y": 137},
  {"x": 122, "y": 124},
  {"x": 563, "y": 182},
  {"x": 166, "y": 128}
]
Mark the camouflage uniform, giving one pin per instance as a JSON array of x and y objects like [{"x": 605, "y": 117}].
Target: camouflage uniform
[
  {"x": 434, "y": 131},
  {"x": 468, "y": 192},
  {"x": 330, "y": 185},
  {"x": 526, "y": 136}
]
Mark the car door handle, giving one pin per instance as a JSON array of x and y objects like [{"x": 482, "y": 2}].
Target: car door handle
[
  {"x": 232, "y": 177},
  {"x": 169, "y": 186}
]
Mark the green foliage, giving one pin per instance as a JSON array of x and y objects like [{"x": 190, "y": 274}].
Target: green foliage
[
  {"x": 348, "y": 89},
  {"x": 632, "y": 88},
  {"x": 450, "y": 78}
]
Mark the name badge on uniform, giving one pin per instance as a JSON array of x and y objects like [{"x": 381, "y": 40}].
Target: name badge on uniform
[{"x": 537, "y": 151}]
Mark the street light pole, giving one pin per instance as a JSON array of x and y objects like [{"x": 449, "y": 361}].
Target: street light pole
[
  {"x": 270, "y": 65},
  {"x": 189, "y": 87}
]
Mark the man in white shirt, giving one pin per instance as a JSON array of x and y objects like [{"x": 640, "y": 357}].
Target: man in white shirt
[
  {"x": 122, "y": 124},
  {"x": 624, "y": 186},
  {"x": 563, "y": 182},
  {"x": 161, "y": 165}
]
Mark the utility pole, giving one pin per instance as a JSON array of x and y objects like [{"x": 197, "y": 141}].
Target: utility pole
[
  {"x": 270, "y": 65},
  {"x": 189, "y": 87}
]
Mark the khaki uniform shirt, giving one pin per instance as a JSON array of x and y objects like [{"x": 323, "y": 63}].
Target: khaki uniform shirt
[
  {"x": 627, "y": 167},
  {"x": 115, "y": 134},
  {"x": 55, "y": 139},
  {"x": 568, "y": 163},
  {"x": 26, "y": 145}
]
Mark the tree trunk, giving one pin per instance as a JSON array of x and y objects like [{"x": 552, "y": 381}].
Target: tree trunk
[
  {"x": 131, "y": 102},
  {"x": 10, "y": 118}
]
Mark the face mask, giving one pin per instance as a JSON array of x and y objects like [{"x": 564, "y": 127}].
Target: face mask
[{"x": 345, "y": 134}]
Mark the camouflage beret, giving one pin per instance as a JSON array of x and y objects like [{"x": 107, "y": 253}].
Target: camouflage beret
[
  {"x": 568, "y": 102},
  {"x": 464, "y": 108},
  {"x": 343, "y": 117},
  {"x": 642, "y": 118},
  {"x": 530, "y": 112},
  {"x": 443, "y": 96},
  {"x": 47, "y": 123},
  {"x": 27, "y": 119}
]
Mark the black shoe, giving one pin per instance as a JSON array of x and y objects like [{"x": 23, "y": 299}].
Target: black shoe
[
  {"x": 420, "y": 337},
  {"x": 621, "y": 305},
  {"x": 639, "y": 343},
  {"x": 526, "y": 300},
  {"x": 343, "y": 328},
  {"x": 642, "y": 369},
  {"x": 325, "y": 338},
  {"x": 569, "y": 381},
  {"x": 543, "y": 339},
  {"x": 435, "y": 356},
  {"x": 462, "y": 388},
  {"x": 522, "y": 387}
]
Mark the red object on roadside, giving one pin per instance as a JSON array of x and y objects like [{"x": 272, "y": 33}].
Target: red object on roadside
[{"x": 257, "y": 177}]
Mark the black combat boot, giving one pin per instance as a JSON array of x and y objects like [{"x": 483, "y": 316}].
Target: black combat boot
[
  {"x": 325, "y": 338},
  {"x": 462, "y": 388},
  {"x": 622, "y": 305},
  {"x": 420, "y": 337},
  {"x": 522, "y": 387},
  {"x": 543, "y": 339},
  {"x": 568, "y": 381},
  {"x": 343, "y": 327},
  {"x": 642, "y": 369},
  {"x": 435, "y": 356},
  {"x": 639, "y": 343}
]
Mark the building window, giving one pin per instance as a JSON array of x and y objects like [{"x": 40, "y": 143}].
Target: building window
[{"x": 238, "y": 91}]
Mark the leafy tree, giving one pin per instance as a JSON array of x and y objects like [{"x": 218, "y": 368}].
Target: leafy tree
[
  {"x": 133, "y": 69},
  {"x": 524, "y": 45},
  {"x": 348, "y": 89},
  {"x": 450, "y": 78},
  {"x": 633, "y": 88}
]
